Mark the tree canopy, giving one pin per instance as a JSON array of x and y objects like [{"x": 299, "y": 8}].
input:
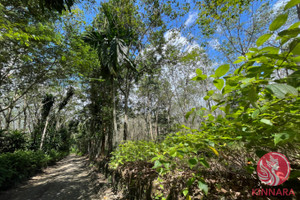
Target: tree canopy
[{"x": 174, "y": 99}]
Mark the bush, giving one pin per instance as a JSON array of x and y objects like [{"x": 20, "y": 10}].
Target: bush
[
  {"x": 11, "y": 141},
  {"x": 56, "y": 156},
  {"x": 258, "y": 111},
  {"x": 17, "y": 166}
]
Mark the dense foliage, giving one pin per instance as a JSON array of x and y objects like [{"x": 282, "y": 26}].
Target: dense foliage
[
  {"x": 144, "y": 87},
  {"x": 260, "y": 113},
  {"x": 19, "y": 165}
]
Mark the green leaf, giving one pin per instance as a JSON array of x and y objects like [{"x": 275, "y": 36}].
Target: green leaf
[
  {"x": 290, "y": 32},
  {"x": 191, "y": 181},
  {"x": 227, "y": 89},
  {"x": 219, "y": 83},
  {"x": 255, "y": 113},
  {"x": 262, "y": 39},
  {"x": 296, "y": 49},
  {"x": 294, "y": 78},
  {"x": 295, "y": 25},
  {"x": 185, "y": 191},
  {"x": 187, "y": 115},
  {"x": 157, "y": 164},
  {"x": 237, "y": 61},
  {"x": 271, "y": 50},
  {"x": 291, "y": 3},
  {"x": 280, "y": 90},
  {"x": 199, "y": 72},
  {"x": 203, "y": 186},
  {"x": 294, "y": 46},
  {"x": 192, "y": 162},
  {"x": 210, "y": 92},
  {"x": 217, "y": 97},
  {"x": 253, "y": 49},
  {"x": 222, "y": 70},
  {"x": 266, "y": 121},
  {"x": 280, "y": 137},
  {"x": 206, "y": 98},
  {"x": 250, "y": 169},
  {"x": 213, "y": 108},
  {"x": 199, "y": 77},
  {"x": 252, "y": 95},
  {"x": 204, "y": 162},
  {"x": 278, "y": 22}
]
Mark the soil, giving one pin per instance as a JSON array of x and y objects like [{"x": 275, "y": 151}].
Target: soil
[{"x": 71, "y": 178}]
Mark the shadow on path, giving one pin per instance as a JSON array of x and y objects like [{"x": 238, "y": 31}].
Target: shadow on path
[{"x": 69, "y": 179}]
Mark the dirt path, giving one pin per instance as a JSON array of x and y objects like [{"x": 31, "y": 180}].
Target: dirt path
[{"x": 69, "y": 179}]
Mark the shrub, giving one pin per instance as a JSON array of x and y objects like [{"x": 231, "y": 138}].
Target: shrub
[
  {"x": 15, "y": 167},
  {"x": 11, "y": 141}
]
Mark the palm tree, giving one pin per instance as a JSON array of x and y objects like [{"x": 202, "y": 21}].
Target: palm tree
[{"x": 113, "y": 55}]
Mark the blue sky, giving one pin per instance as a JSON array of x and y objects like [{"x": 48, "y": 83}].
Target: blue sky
[{"x": 186, "y": 24}]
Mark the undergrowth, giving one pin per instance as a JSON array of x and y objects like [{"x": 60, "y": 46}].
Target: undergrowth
[
  {"x": 19, "y": 165},
  {"x": 259, "y": 113}
]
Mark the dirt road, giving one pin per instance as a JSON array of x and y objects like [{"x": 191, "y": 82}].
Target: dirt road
[{"x": 69, "y": 179}]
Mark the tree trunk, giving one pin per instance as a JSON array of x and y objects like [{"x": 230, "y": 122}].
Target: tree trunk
[
  {"x": 126, "y": 117},
  {"x": 298, "y": 10},
  {"x": 25, "y": 120},
  {"x": 103, "y": 143},
  {"x": 19, "y": 122},
  {"x": 44, "y": 133},
  {"x": 150, "y": 126},
  {"x": 113, "y": 128},
  {"x": 8, "y": 118},
  {"x": 156, "y": 124}
]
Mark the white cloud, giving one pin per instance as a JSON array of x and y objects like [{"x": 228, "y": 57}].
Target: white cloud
[
  {"x": 219, "y": 29},
  {"x": 279, "y": 5},
  {"x": 214, "y": 43},
  {"x": 191, "y": 19},
  {"x": 175, "y": 38}
]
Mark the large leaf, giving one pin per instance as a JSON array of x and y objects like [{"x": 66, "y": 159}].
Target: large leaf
[
  {"x": 222, "y": 70},
  {"x": 192, "y": 162},
  {"x": 185, "y": 191},
  {"x": 291, "y": 3},
  {"x": 294, "y": 79},
  {"x": 217, "y": 97},
  {"x": 295, "y": 49},
  {"x": 204, "y": 162},
  {"x": 210, "y": 92},
  {"x": 255, "y": 113},
  {"x": 157, "y": 164},
  {"x": 199, "y": 72},
  {"x": 290, "y": 32},
  {"x": 266, "y": 121},
  {"x": 203, "y": 186},
  {"x": 219, "y": 83},
  {"x": 262, "y": 39},
  {"x": 280, "y": 137},
  {"x": 252, "y": 95},
  {"x": 278, "y": 22},
  {"x": 280, "y": 90}
]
